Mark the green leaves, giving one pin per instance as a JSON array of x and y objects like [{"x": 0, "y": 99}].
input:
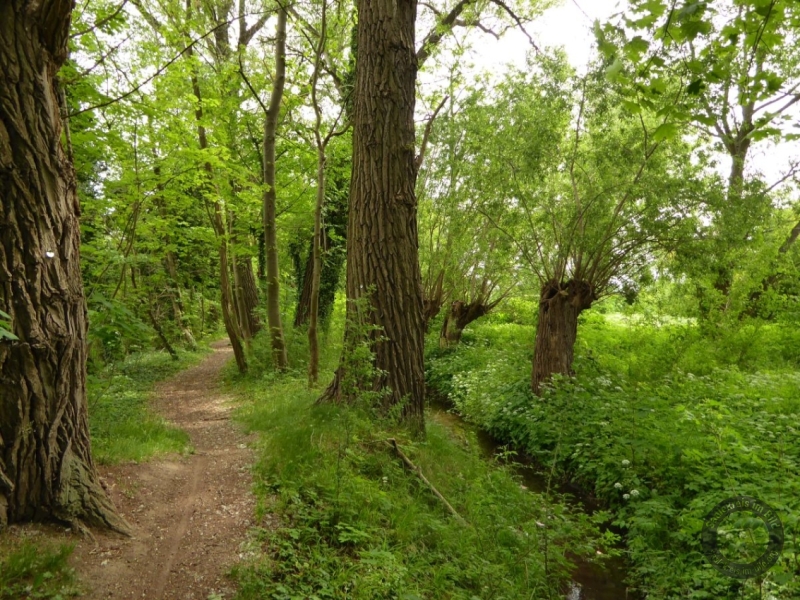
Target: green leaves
[
  {"x": 666, "y": 131},
  {"x": 728, "y": 63},
  {"x": 614, "y": 70},
  {"x": 640, "y": 416},
  {"x": 5, "y": 326}
]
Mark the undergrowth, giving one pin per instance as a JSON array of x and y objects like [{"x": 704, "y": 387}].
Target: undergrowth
[
  {"x": 123, "y": 428},
  {"x": 342, "y": 518},
  {"x": 36, "y": 571},
  {"x": 660, "y": 424}
]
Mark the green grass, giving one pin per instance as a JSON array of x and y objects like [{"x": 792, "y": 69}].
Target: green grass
[
  {"x": 342, "y": 518},
  {"x": 682, "y": 417},
  {"x": 123, "y": 427},
  {"x": 40, "y": 571}
]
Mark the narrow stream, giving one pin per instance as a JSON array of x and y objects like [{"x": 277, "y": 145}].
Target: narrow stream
[{"x": 590, "y": 581}]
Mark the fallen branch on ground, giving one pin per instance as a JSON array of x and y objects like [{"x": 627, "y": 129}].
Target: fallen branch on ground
[{"x": 393, "y": 443}]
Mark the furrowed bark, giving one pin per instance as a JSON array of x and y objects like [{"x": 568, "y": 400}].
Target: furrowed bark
[
  {"x": 382, "y": 240},
  {"x": 46, "y": 466},
  {"x": 560, "y": 304}
]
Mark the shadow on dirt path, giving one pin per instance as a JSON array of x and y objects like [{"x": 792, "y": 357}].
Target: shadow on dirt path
[{"x": 189, "y": 514}]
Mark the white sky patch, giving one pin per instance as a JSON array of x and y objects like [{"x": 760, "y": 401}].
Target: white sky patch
[{"x": 569, "y": 25}]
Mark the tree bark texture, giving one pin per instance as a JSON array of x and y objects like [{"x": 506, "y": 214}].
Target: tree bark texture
[
  {"x": 560, "y": 304},
  {"x": 382, "y": 240},
  {"x": 248, "y": 291},
  {"x": 458, "y": 317},
  {"x": 279, "y": 354},
  {"x": 46, "y": 467}
]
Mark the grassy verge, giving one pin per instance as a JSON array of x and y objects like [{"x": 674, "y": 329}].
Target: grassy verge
[
  {"x": 40, "y": 571},
  {"x": 123, "y": 428},
  {"x": 660, "y": 424},
  {"x": 342, "y": 518}
]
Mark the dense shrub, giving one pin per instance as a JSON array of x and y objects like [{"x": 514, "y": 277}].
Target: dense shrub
[{"x": 660, "y": 424}]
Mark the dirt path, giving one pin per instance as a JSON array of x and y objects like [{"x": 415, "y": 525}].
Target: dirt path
[{"x": 189, "y": 514}]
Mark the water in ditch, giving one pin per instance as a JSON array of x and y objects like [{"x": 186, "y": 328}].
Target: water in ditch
[{"x": 590, "y": 581}]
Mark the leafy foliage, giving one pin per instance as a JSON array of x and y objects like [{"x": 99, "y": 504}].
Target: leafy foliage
[
  {"x": 659, "y": 425},
  {"x": 341, "y": 517}
]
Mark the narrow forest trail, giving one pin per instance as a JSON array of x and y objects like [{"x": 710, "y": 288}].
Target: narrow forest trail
[{"x": 189, "y": 514}]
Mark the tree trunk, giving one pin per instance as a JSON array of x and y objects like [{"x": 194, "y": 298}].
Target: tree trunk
[
  {"x": 333, "y": 252},
  {"x": 383, "y": 274},
  {"x": 248, "y": 293},
  {"x": 433, "y": 298},
  {"x": 228, "y": 313},
  {"x": 458, "y": 317},
  {"x": 160, "y": 330},
  {"x": 738, "y": 149},
  {"x": 279, "y": 355},
  {"x": 218, "y": 223},
  {"x": 557, "y": 328},
  {"x": 46, "y": 467},
  {"x": 316, "y": 255},
  {"x": 171, "y": 267},
  {"x": 303, "y": 308}
]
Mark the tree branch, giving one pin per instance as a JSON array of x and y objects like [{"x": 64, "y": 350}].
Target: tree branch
[{"x": 429, "y": 125}]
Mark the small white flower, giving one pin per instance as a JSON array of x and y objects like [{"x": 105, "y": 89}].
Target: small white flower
[
  {"x": 626, "y": 462},
  {"x": 618, "y": 485},
  {"x": 626, "y": 496},
  {"x": 634, "y": 493}
]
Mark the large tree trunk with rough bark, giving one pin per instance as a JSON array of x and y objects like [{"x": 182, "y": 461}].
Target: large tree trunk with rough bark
[
  {"x": 560, "y": 304},
  {"x": 383, "y": 275},
  {"x": 46, "y": 468}
]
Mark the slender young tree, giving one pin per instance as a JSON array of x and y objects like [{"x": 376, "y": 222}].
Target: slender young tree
[
  {"x": 321, "y": 140},
  {"x": 46, "y": 467},
  {"x": 270, "y": 198}
]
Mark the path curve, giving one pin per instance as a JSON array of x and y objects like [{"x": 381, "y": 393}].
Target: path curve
[{"x": 190, "y": 515}]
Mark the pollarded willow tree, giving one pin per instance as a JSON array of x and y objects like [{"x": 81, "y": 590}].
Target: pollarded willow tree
[
  {"x": 587, "y": 192},
  {"x": 468, "y": 266},
  {"x": 46, "y": 467}
]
